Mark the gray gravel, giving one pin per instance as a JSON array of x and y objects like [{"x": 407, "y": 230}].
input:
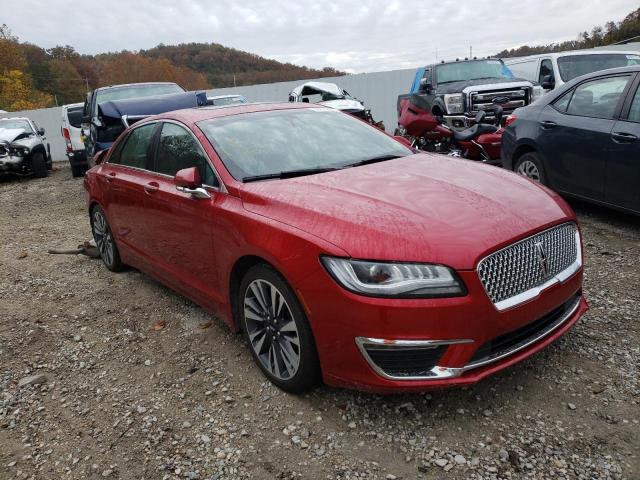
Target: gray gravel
[{"x": 108, "y": 375}]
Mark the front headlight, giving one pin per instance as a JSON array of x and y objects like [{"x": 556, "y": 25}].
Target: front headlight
[
  {"x": 403, "y": 280},
  {"x": 454, "y": 102}
]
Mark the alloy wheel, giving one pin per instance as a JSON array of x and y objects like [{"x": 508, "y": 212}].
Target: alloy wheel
[
  {"x": 103, "y": 237},
  {"x": 529, "y": 169},
  {"x": 272, "y": 330}
]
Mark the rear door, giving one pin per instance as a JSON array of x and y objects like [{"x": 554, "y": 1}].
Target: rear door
[
  {"x": 574, "y": 135},
  {"x": 123, "y": 180},
  {"x": 623, "y": 170},
  {"x": 179, "y": 236}
]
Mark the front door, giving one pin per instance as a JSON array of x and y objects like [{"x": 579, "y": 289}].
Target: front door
[
  {"x": 180, "y": 227},
  {"x": 574, "y": 137},
  {"x": 623, "y": 170}
]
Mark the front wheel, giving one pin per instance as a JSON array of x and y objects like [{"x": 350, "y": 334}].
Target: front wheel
[
  {"x": 39, "y": 165},
  {"x": 277, "y": 330},
  {"x": 530, "y": 166},
  {"x": 104, "y": 240}
]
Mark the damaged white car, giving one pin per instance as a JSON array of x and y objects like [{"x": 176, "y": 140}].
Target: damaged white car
[
  {"x": 333, "y": 96},
  {"x": 23, "y": 150}
]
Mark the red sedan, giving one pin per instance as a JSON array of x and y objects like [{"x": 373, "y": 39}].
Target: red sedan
[{"x": 340, "y": 253}]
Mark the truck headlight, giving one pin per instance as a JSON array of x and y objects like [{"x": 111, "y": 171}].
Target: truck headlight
[
  {"x": 454, "y": 102},
  {"x": 538, "y": 92},
  {"x": 400, "y": 280}
]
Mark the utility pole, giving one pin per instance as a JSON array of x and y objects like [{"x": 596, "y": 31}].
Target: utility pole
[
  {"x": 470, "y": 52},
  {"x": 86, "y": 81},
  {"x": 234, "y": 80}
]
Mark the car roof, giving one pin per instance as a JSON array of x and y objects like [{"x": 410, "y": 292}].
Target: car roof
[
  {"x": 197, "y": 114},
  {"x": 569, "y": 53},
  {"x": 124, "y": 85}
]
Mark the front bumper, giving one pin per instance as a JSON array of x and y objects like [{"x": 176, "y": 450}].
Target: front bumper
[
  {"x": 10, "y": 163},
  {"x": 456, "y": 329}
]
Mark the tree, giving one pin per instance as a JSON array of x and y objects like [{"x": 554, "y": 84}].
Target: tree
[{"x": 16, "y": 92}]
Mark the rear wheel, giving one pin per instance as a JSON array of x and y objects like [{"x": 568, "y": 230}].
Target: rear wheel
[
  {"x": 77, "y": 170},
  {"x": 530, "y": 166},
  {"x": 104, "y": 240},
  {"x": 277, "y": 330},
  {"x": 39, "y": 165}
]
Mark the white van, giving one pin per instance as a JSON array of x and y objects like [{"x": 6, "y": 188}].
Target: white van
[
  {"x": 72, "y": 133},
  {"x": 552, "y": 70}
]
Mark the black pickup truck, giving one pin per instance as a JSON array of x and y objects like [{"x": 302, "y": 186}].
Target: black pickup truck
[{"x": 455, "y": 92}]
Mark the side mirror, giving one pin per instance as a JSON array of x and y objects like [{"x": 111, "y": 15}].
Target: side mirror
[
  {"x": 548, "y": 82},
  {"x": 403, "y": 140},
  {"x": 41, "y": 131},
  {"x": 188, "y": 181},
  {"x": 425, "y": 86},
  {"x": 99, "y": 157}
]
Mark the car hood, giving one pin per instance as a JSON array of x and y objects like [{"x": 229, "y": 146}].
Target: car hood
[
  {"x": 482, "y": 84},
  {"x": 10, "y": 134},
  {"x": 344, "y": 104},
  {"x": 424, "y": 208}
]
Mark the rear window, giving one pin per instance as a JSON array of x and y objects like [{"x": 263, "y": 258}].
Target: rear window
[
  {"x": 74, "y": 115},
  {"x": 573, "y": 66}
]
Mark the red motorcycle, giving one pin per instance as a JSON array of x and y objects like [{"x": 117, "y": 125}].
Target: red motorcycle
[{"x": 426, "y": 132}]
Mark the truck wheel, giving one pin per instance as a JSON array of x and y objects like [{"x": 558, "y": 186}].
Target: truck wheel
[
  {"x": 39, "y": 165},
  {"x": 530, "y": 166}
]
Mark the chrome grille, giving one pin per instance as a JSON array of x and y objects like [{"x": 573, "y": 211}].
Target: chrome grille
[
  {"x": 529, "y": 264},
  {"x": 485, "y": 100}
]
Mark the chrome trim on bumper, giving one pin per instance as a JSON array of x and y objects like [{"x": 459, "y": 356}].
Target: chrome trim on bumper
[{"x": 439, "y": 372}]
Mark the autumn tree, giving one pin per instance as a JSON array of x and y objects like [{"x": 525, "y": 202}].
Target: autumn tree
[{"x": 17, "y": 93}]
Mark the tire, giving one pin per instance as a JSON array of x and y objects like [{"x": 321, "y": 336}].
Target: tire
[
  {"x": 530, "y": 166},
  {"x": 282, "y": 344},
  {"x": 39, "y": 165},
  {"x": 104, "y": 240},
  {"x": 77, "y": 170}
]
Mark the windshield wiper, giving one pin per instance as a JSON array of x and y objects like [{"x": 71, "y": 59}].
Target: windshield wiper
[
  {"x": 289, "y": 173},
  {"x": 380, "y": 158}
]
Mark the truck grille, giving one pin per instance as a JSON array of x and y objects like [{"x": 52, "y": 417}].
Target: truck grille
[
  {"x": 518, "y": 272},
  {"x": 509, "y": 99}
]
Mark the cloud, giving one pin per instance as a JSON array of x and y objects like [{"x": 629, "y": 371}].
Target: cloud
[{"x": 357, "y": 36}]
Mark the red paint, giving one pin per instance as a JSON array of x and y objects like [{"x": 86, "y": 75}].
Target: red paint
[{"x": 423, "y": 208}]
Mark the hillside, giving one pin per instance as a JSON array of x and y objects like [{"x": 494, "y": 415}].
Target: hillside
[
  {"x": 220, "y": 64},
  {"x": 599, "y": 36},
  {"x": 34, "y": 77}
]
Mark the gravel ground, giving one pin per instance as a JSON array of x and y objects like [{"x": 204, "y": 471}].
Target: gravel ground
[{"x": 108, "y": 375}]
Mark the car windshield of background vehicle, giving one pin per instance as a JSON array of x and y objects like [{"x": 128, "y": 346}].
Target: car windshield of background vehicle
[
  {"x": 137, "y": 91},
  {"x": 16, "y": 125},
  {"x": 475, "y": 70},
  {"x": 74, "y": 115},
  {"x": 573, "y": 66},
  {"x": 272, "y": 142},
  {"x": 218, "y": 102}
]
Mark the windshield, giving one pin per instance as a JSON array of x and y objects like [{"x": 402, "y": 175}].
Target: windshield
[
  {"x": 474, "y": 70},
  {"x": 573, "y": 66},
  {"x": 10, "y": 124},
  {"x": 266, "y": 143},
  {"x": 228, "y": 101},
  {"x": 137, "y": 91}
]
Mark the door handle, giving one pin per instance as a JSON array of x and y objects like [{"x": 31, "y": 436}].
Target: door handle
[
  {"x": 111, "y": 176},
  {"x": 547, "y": 124},
  {"x": 151, "y": 187},
  {"x": 621, "y": 137}
]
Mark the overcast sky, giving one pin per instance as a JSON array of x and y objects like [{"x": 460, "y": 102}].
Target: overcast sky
[{"x": 351, "y": 35}]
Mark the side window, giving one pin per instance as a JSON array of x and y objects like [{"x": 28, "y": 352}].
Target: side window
[
  {"x": 562, "y": 103},
  {"x": 178, "y": 149},
  {"x": 526, "y": 69},
  {"x": 136, "y": 147},
  {"x": 546, "y": 68},
  {"x": 634, "y": 113},
  {"x": 598, "y": 98},
  {"x": 117, "y": 151}
]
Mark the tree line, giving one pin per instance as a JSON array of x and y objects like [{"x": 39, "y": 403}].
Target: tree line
[
  {"x": 599, "y": 36},
  {"x": 33, "y": 77}
]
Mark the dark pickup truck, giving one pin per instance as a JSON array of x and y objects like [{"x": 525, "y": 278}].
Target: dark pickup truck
[
  {"x": 109, "y": 110},
  {"x": 455, "y": 92}
]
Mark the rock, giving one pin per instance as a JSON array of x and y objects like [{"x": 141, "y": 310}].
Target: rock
[
  {"x": 460, "y": 460},
  {"x": 390, "y": 476},
  {"x": 37, "y": 379},
  {"x": 571, "y": 406},
  {"x": 147, "y": 362},
  {"x": 352, "y": 425},
  {"x": 487, "y": 413},
  {"x": 107, "y": 473},
  {"x": 503, "y": 455},
  {"x": 441, "y": 462},
  {"x": 77, "y": 338}
]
